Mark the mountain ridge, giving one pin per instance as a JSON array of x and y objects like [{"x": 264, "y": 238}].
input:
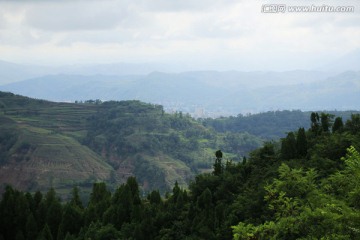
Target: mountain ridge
[{"x": 217, "y": 93}]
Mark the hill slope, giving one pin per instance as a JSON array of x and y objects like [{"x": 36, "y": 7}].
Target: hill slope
[
  {"x": 37, "y": 152},
  {"x": 61, "y": 144}
]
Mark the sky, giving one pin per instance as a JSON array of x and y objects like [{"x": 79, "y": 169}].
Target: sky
[{"x": 196, "y": 34}]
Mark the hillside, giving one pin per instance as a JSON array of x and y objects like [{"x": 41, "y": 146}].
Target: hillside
[
  {"x": 305, "y": 186},
  {"x": 39, "y": 147},
  {"x": 47, "y": 144}
]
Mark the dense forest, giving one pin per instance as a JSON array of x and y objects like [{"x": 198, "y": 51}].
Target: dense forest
[
  {"x": 305, "y": 186},
  {"x": 268, "y": 125}
]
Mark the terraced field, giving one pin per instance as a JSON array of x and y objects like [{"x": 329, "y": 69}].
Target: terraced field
[{"x": 46, "y": 151}]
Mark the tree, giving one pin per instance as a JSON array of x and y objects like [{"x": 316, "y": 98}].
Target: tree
[
  {"x": 301, "y": 143},
  {"x": 338, "y": 125},
  {"x": 14, "y": 210},
  {"x": 102, "y": 232},
  {"x": 72, "y": 220},
  {"x": 176, "y": 191},
  {"x": 218, "y": 168},
  {"x": 288, "y": 146},
  {"x": 31, "y": 227},
  {"x": 314, "y": 117},
  {"x": 45, "y": 234},
  {"x": 304, "y": 209},
  {"x": 75, "y": 200},
  {"x": 154, "y": 197},
  {"x": 134, "y": 188},
  {"x": 345, "y": 184},
  {"x": 53, "y": 212},
  {"x": 326, "y": 121},
  {"x": 7, "y": 206},
  {"x": 353, "y": 124},
  {"x": 99, "y": 202},
  {"x": 205, "y": 199}
]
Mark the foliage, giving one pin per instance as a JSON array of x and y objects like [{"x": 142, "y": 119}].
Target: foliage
[
  {"x": 273, "y": 124},
  {"x": 302, "y": 208},
  {"x": 305, "y": 186}
]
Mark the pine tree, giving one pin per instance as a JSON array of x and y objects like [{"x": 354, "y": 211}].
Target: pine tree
[
  {"x": 100, "y": 199},
  {"x": 326, "y": 121},
  {"x": 338, "y": 125},
  {"x": 155, "y": 197},
  {"x": 31, "y": 227},
  {"x": 46, "y": 234},
  {"x": 315, "y": 122},
  {"x": 353, "y": 124},
  {"x": 301, "y": 143},
  {"x": 288, "y": 146},
  {"x": 218, "y": 168},
  {"x": 75, "y": 200}
]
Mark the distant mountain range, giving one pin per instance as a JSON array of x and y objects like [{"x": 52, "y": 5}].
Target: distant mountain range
[
  {"x": 12, "y": 72},
  {"x": 333, "y": 86},
  {"x": 206, "y": 93}
]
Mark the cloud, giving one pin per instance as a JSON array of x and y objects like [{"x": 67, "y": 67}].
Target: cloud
[
  {"x": 73, "y": 16},
  {"x": 227, "y": 33},
  {"x": 184, "y": 5}
]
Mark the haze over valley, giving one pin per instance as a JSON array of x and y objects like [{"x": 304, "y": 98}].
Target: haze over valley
[{"x": 200, "y": 93}]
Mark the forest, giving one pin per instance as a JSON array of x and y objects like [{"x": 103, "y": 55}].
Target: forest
[
  {"x": 268, "y": 125},
  {"x": 304, "y": 186}
]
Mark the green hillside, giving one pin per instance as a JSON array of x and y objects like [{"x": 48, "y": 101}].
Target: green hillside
[
  {"x": 305, "y": 186},
  {"x": 45, "y": 144},
  {"x": 39, "y": 147}
]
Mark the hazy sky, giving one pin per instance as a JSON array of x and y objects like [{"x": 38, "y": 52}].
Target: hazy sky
[{"x": 205, "y": 34}]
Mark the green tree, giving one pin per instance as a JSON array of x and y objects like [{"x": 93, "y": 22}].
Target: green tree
[
  {"x": 204, "y": 221},
  {"x": 72, "y": 219},
  {"x": 314, "y": 117},
  {"x": 301, "y": 143},
  {"x": 326, "y": 121},
  {"x": 353, "y": 124},
  {"x": 338, "y": 125},
  {"x": 46, "y": 234},
  {"x": 288, "y": 146},
  {"x": 176, "y": 192},
  {"x": 102, "y": 232},
  {"x": 14, "y": 209},
  {"x": 31, "y": 227},
  {"x": 301, "y": 209},
  {"x": 100, "y": 199},
  {"x": 75, "y": 199},
  {"x": 154, "y": 197},
  {"x": 53, "y": 212},
  {"x": 19, "y": 236},
  {"x": 218, "y": 167},
  {"x": 345, "y": 184}
]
